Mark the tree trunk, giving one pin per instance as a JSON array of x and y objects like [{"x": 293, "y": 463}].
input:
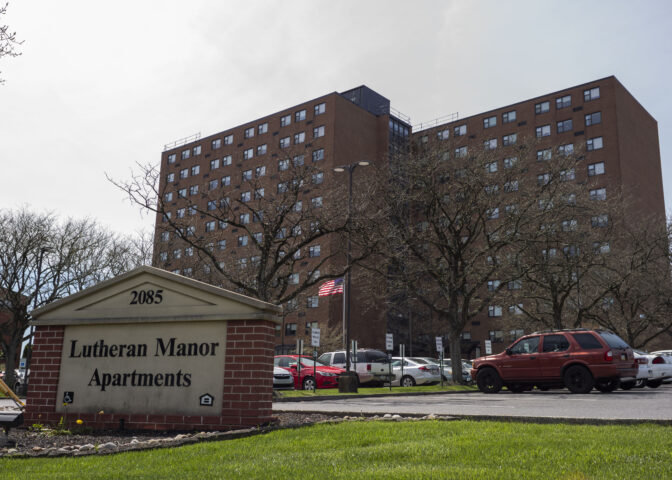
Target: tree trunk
[
  {"x": 456, "y": 357},
  {"x": 10, "y": 364}
]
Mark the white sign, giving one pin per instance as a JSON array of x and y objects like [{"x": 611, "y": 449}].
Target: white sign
[
  {"x": 389, "y": 342},
  {"x": 314, "y": 337},
  {"x": 439, "y": 344},
  {"x": 488, "y": 347}
]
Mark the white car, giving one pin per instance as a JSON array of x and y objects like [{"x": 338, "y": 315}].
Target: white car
[
  {"x": 653, "y": 369},
  {"x": 282, "y": 379},
  {"x": 448, "y": 368},
  {"x": 414, "y": 372}
]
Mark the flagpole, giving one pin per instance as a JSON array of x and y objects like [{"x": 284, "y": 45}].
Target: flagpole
[{"x": 345, "y": 347}]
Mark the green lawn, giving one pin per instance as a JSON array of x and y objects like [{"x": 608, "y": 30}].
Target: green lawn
[
  {"x": 378, "y": 391},
  {"x": 404, "y": 450}
]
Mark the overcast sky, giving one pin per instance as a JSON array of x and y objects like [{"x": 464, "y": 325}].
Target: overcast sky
[{"x": 103, "y": 85}]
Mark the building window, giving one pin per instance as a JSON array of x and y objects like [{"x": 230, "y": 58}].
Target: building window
[
  {"x": 180, "y": 212},
  {"x": 300, "y": 115},
  {"x": 185, "y": 154},
  {"x": 492, "y": 213},
  {"x": 543, "y": 131},
  {"x": 567, "y": 175},
  {"x": 601, "y": 247},
  {"x": 258, "y": 237},
  {"x": 490, "y": 122},
  {"x": 170, "y": 178},
  {"x": 228, "y": 140},
  {"x": 490, "y": 144},
  {"x": 316, "y": 202},
  {"x": 298, "y": 160},
  {"x": 320, "y": 108},
  {"x": 599, "y": 220},
  {"x": 217, "y": 143},
  {"x": 599, "y": 194},
  {"x": 591, "y": 94},
  {"x": 493, "y": 285},
  {"x": 466, "y": 336},
  {"x": 508, "y": 117},
  {"x": 171, "y": 158},
  {"x": 312, "y": 302},
  {"x": 247, "y": 175},
  {"x": 258, "y": 193},
  {"x": 494, "y": 311},
  {"x": 261, "y": 149},
  {"x": 314, "y": 251},
  {"x": 285, "y": 120},
  {"x": 299, "y": 137},
  {"x": 544, "y": 155},
  {"x": 262, "y": 128},
  {"x": 182, "y": 193},
  {"x": 290, "y": 329},
  {"x": 226, "y": 160},
  {"x": 191, "y": 211},
  {"x": 247, "y": 154},
  {"x": 283, "y": 165},
  {"x": 543, "y": 179},
  {"x": 491, "y": 167},
  {"x": 460, "y": 152},
  {"x": 195, "y": 170},
  {"x": 184, "y": 173},
  {"x": 245, "y": 196},
  {"x": 249, "y": 132},
  {"x": 282, "y": 187},
  {"x": 165, "y": 236},
  {"x": 226, "y": 181},
  {"x": 260, "y": 171},
  {"x": 193, "y": 190},
  {"x": 210, "y": 226},
  {"x": 163, "y": 256},
  {"x": 318, "y": 155},
  {"x": 242, "y": 240},
  {"x": 318, "y": 132},
  {"x": 510, "y": 139},
  {"x": 563, "y": 102},
  {"x": 213, "y": 184},
  {"x": 285, "y": 142},
  {"x": 168, "y": 197},
  {"x": 566, "y": 150},
  {"x": 212, "y": 205},
  {"x": 443, "y": 134},
  {"x": 510, "y": 162},
  {"x": 569, "y": 225},
  {"x": 244, "y": 218},
  {"x": 224, "y": 202},
  {"x": 514, "y": 285},
  {"x": 318, "y": 178},
  {"x": 197, "y": 150},
  {"x": 593, "y": 118},
  {"x": 511, "y": 186},
  {"x": 564, "y": 126},
  {"x": 460, "y": 130},
  {"x": 177, "y": 254},
  {"x": 214, "y": 164},
  {"x": 542, "y": 107},
  {"x": 594, "y": 144}
]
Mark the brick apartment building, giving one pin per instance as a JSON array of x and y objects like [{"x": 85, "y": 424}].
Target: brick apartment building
[{"x": 621, "y": 140}]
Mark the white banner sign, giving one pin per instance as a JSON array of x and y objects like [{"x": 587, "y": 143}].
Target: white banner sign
[{"x": 314, "y": 337}]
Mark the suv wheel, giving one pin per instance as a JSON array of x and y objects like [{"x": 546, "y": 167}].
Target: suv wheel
[
  {"x": 628, "y": 385},
  {"x": 578, "y": 379},
  {"x": 488, "y": 380},
  {"x": 516, "y": 388},
  {"x": 607, "y": 386},
  {"x": 407, "y": 381},
  {"x": 308, "y": 383},
  {"x": 654, "y": 383}
]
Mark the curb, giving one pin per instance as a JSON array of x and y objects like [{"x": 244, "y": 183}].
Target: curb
[{"x": 368, "y": 395}]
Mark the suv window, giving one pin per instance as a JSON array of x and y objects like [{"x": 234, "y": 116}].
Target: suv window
[
  {"x": 339, "y": 357},
  {"x": 613, "y": 340},
  {"x": 587, "y": 341},
  {"x": 526, "y": 345},
  {"x": 375, "y": 356},
  {"x": 325, "y": 358},
  {"x": 555, "y": 343}
]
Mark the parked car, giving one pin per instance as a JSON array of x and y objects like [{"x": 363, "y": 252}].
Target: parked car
[
  {"x": 372, "y": 366},
  {"x": 578, "y": 359},
  {"x": 282, "y": 379},
  {"x": 312, "y": 373},
  {"x": 653, "y": 370},
  {"x": 447, "y": 368},
  {"x": 414, "y": 372}
]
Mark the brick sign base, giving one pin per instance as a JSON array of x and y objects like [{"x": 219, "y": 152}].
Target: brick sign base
[{"x": 246, "y": 397}]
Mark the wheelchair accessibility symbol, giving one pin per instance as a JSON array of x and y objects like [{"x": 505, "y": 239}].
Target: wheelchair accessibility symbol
[{"x": 68, "y": 397}]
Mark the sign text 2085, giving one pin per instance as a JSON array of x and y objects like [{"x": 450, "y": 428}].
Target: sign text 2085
[{"x": 146, "y": 297}]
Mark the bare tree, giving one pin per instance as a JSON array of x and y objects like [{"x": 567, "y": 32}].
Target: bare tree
[
  {"x": 42, "y": 260},
  {"x": 8, "y": 41},
  {"x": 453, "y": 213},
  {"x": 257, "y": 236}
]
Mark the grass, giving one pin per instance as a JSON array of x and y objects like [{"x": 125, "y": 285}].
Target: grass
[
  {"x": 381, "y": 450},
  {"x": 378, "y": 391}
]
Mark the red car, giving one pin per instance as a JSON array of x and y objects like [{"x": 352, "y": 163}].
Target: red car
[
  {"x": 312, "y": 373},
  {"x": 578, "y": 359}
]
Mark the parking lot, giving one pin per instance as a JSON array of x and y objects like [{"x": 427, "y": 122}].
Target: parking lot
[{"x": 637, "y": 404}]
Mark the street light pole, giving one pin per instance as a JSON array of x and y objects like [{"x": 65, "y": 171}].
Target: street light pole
[{"x": 349, "y": 383}]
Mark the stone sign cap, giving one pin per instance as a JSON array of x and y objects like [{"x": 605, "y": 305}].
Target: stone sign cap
[{"x": 149, "y": 294}]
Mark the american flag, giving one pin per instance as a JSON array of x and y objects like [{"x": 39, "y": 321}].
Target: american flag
[{"x": 331, "y": 287}]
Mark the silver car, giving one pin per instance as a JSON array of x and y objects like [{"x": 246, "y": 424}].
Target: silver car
[{"x": 282, "y": 379}]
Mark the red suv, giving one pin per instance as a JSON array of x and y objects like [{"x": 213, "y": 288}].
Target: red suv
[
  {"x": 312, "y": 373},
  {"x": 578, "y": 359}
]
